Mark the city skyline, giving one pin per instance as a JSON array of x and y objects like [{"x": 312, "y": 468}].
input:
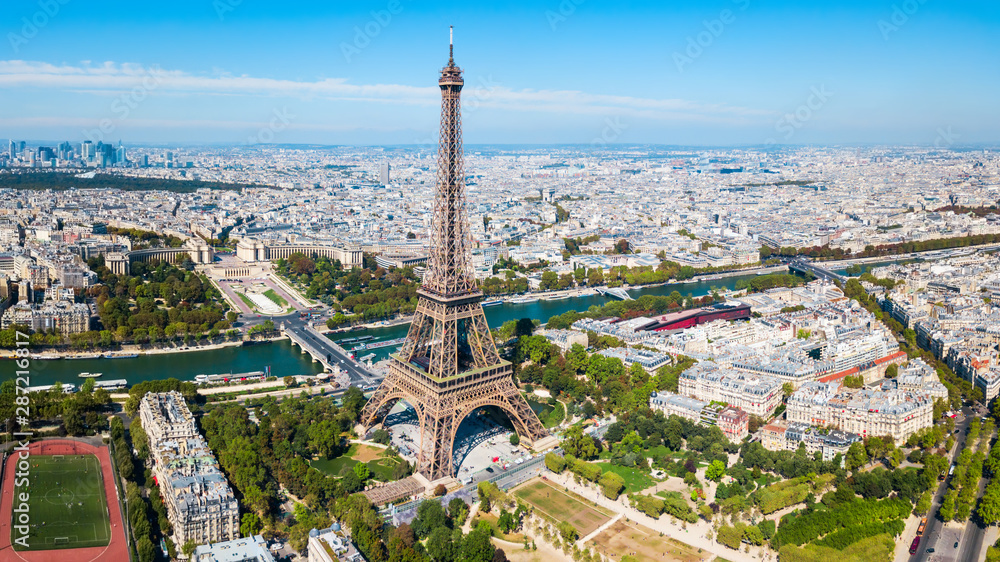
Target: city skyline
[{"x": 229, "y": 72}]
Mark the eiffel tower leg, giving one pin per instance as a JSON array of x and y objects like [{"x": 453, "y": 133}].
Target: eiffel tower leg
[
  {"x": 392, "y": 390},
  {"x": 533, "y": 429},
  {"x": 437, "y": 434}
]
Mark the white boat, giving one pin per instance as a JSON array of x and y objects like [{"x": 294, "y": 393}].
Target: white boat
[
  {"x": 523, "y": 300},
  {"x": 201, "y": 378},
  {"x": 90, "y": 375}
]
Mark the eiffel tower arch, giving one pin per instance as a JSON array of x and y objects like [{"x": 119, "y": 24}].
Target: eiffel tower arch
[{"x": 449, "y": 366}]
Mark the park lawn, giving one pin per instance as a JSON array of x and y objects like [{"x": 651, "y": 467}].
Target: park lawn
[
  {"x": 643, "y": 543},
  {"x": 67, "y": 503},
  {"x": 379, "y": 464},
  {"x": 332, "y": 467},
  {"x": 275, "y": 298},
  {"x": 558, "y": 505},
  {"x": 635, "y": 480}
]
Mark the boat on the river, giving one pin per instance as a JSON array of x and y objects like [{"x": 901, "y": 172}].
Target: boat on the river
[
  {"x": 492, "y": 303},
  {"x": 90, "y": 375},
  {"x": 122, "y": 355},
  {"x": 557, "y": 297},
  {"x": 85, "y": 356},
  {"x": 523, "y": 300}
]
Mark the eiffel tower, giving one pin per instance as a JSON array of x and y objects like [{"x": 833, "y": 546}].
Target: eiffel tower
[{"x": 449, "y": 367}]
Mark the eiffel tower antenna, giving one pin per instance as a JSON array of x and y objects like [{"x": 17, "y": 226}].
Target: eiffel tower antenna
[{"x": 449, "y": 366}]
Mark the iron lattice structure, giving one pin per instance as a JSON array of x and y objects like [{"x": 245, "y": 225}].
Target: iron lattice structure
[{"x": 449, "y": 366}]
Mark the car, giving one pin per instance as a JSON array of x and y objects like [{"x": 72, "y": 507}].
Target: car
[
  {"x": 956, "y": 545},
  {"x": 930, "y": 550},
  {"x": 489, "y": 469}
]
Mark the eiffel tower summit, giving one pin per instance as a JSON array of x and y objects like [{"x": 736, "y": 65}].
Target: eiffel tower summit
[{"x": 449, "y": 366}]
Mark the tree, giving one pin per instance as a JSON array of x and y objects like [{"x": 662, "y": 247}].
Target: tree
[
  {"x": 381, "y": 436},
  {"x": 477, "y": 546},
  {"x": 856, "y": 456},
  {"x": 611, "y": 485},
  {"x": 568, "y": 532},
  {"x": 362, "y": 471},
  {"x": 145, "y": 549},
  {"x": 891, "y": 371},
  {"x": 458, "y": 510},
  {"x": 440, "y": 490},
  {"x": 250, "y": 524},
  {"x": 515, "y": 439},
  {"x": 430, "y": 515},
  {"x": 440, "y": 546},
  {"x": 947, "y": 509},
  {"x": 716, "y": 470},
  {"x": 555, "y": 463}
]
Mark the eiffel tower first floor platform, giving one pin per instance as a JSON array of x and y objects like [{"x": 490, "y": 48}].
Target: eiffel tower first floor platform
[{"x": 441, "y": 405}]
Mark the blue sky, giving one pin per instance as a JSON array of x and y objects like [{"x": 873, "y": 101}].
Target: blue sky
[{"x": 559, "y": 71}]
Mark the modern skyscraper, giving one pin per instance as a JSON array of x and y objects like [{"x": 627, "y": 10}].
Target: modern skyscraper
[
  {"x": 87, "y": 151},
  {"x": 449, "y": 366},
  {"x": 384, "y": 176},
  {"x": 13, "y": 150}
]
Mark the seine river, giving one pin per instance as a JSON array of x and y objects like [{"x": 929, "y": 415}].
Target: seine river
[{"x": 285, "y": 359}]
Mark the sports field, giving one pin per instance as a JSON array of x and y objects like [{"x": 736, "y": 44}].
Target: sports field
[
  {"x": 557, "y": 505},
  {"x": 67, "y": 503}
]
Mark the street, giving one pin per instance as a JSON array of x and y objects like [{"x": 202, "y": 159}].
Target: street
[{"x": 935, "y": 535}]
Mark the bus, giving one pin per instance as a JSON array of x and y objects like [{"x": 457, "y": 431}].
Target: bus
[
  {"x": 923, "y": 524},
  {"x": 915, "y": 544}
]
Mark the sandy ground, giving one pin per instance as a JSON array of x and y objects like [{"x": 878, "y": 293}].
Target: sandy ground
[{"x": 516, "y": 553}]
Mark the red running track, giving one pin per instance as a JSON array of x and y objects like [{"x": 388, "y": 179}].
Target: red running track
[{"x": 115, "y": 551}]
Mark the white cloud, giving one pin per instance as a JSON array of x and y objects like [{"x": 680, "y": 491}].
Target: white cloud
[{"x": 113, "y": 79}]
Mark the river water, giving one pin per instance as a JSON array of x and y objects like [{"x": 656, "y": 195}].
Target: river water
[{"x": 286, "y": 359}]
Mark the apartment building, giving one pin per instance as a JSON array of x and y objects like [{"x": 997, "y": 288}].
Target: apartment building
[
  {"x": 757, "y": 395},
  {"x": 200, "y": 504},
  {"x": 867, "y": 412},
  {"x": 64, "y": 316},
  {"x": 787, "y": 437}
]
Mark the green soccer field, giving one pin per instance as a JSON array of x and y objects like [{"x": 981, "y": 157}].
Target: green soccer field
[{"x": 68, "y": 506}]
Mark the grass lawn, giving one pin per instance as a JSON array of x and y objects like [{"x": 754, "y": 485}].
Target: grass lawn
[
  {"x": 494, "y": 521},
  {"x": 67, "y": 503},
  {"x": 275, "y": 298},
  {"x": 635, "y": 480},
  {"x": 379, "y": 464},
  {"x": 558, "y": 505},
  {"x": 623, "y": 538}
]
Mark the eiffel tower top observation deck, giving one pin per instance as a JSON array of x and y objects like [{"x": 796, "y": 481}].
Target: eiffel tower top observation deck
[{"x": 449, "y": 272}]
